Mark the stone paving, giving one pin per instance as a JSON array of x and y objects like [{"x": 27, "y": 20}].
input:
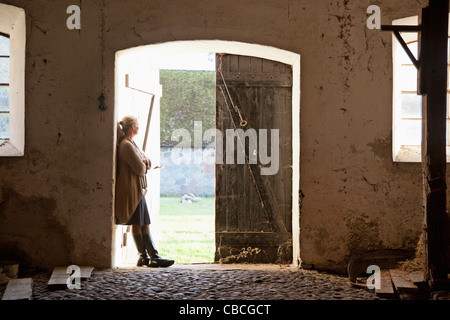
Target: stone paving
[{"x": 205, "y": 282}]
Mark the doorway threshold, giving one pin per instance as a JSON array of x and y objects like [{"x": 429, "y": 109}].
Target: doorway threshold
[{"x": 215, "y": 266}]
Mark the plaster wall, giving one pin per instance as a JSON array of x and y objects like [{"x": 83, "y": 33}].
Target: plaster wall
[{"x": 56, "y": 201}]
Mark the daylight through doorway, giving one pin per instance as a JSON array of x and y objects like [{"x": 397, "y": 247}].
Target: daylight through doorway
[
  {"x": 187, "y": 185},
  {"x": 139, "y": 67}
]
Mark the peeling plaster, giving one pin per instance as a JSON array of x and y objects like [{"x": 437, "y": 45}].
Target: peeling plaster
[{"x": 382, "y": 148}]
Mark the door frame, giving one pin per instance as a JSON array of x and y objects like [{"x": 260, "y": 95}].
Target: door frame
[{"x": 244, "y": 49}]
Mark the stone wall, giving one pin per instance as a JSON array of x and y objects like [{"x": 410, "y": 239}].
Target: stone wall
[{"x": 181, "y": 177}]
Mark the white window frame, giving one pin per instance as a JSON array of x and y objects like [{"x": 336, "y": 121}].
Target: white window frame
[
  {"x": 402, "y": 151},
  {"x": 12, "y": 23},
  {"x": 4, "y": 83}
]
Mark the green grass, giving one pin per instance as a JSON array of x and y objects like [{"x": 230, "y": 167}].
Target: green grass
[{"x": 187, "y": 230}]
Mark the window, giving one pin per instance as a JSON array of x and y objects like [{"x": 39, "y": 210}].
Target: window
[
  {"x": 5, "y": 49},
  {"x": 407, "y": 104},
  {"x": 12, "y": 81}
]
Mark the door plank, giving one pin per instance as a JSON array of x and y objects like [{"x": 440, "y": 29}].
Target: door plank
[
  {"x": 417, "y": 277},
  {"x": 246, "y": 201},
  {"x": 402, "y": 281},
  {"x": 386, "y": 289}
]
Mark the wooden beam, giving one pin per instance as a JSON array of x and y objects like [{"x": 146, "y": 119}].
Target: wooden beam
[
  {"x": 386, "y": 290},
  {"x": 282, "y": 80},
  {"x": 433, "y": 79},
  {"x": 130, "y": 85},
  {"x": 416, "y": 277},
  {"x": 257, "y": 239},
  {"x": 149, "y": 120},
  {"x": 401, "y": 28},
  {"x": 402, "y": 282},
  {"x": 406, "y": 48}
]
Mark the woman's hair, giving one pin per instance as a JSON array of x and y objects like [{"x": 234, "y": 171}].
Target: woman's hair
[
  {"x": 127, "y": 122},
  {"x": 124, "y": 126}
]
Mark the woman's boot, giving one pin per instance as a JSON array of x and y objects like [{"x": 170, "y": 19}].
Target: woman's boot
[
  {"x": 144, "y": 259},
  {"x": 155, "y": 259}
]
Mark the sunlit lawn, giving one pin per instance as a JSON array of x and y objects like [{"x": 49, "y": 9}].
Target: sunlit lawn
[{"x": 187, "y": 230}]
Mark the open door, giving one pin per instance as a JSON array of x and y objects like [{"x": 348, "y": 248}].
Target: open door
[
  {"x": 139, "y": 93},
  {"x": 254, "y": 210}
]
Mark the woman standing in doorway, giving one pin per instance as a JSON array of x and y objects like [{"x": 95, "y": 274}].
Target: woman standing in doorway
[{"x": 131, "y": 187}]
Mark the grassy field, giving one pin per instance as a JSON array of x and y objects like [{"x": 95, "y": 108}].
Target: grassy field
[{"x": 187, "y": 230}]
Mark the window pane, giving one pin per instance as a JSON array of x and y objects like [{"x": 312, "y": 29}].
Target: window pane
[
  {"x": 448, "y": 99},
  {"x": 411, "y": 105},
  {"x": 4, "y": 126},
  {"x": 403, "y": 57},
  {"x": 410, "y": 132},
  {"x": 4, "y": 46},
  {"x": 408, "y": 78},
  {"x": 4, "y": 70},
  {"x": 448, "y": 49},
  {"x": 4, "y": 98}
]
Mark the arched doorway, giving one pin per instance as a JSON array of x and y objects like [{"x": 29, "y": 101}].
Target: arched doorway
[{"x": 139, "y": 62}]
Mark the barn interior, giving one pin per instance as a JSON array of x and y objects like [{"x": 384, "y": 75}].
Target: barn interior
[{"x": 360, "y": 123}]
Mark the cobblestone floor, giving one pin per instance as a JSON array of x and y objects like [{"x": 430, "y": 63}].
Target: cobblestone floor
[{"x": 206, "y": 282}]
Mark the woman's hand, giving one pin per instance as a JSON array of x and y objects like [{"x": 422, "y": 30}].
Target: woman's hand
[{"x": 145, "y": 159}]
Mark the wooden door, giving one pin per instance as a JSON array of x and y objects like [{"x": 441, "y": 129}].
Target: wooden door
[
  {"x": 254, "y": 210},
  {"x": 139, "y": 94}
]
